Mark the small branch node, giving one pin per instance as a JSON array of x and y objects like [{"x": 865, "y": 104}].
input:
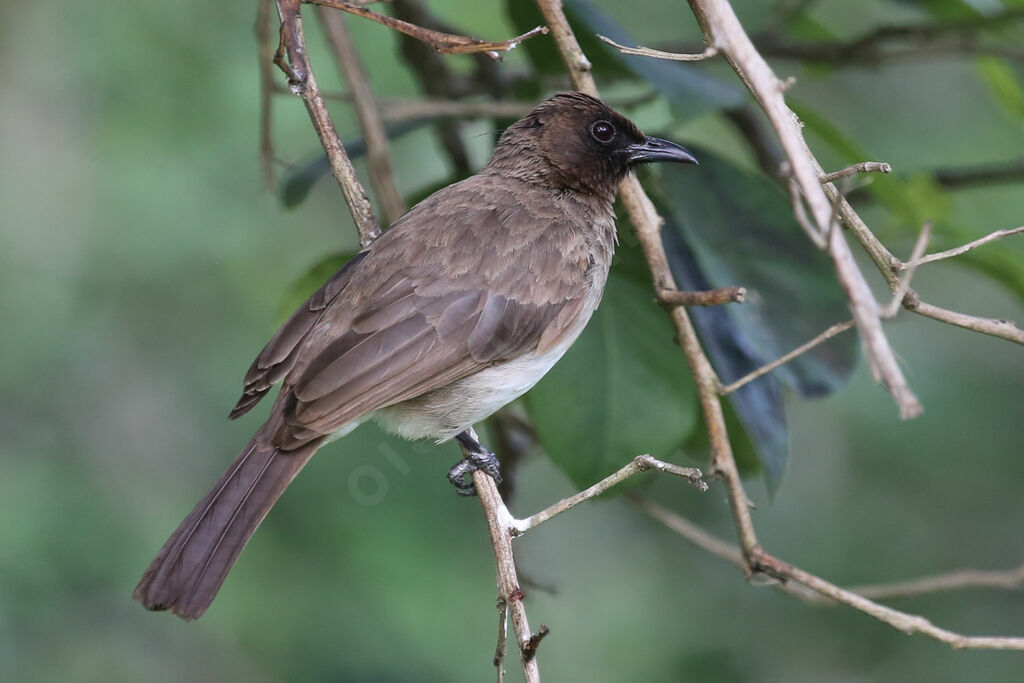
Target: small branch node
[{"x": 531, "y": 645}]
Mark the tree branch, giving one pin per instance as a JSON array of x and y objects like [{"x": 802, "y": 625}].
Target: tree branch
[
  {"x": 722, "y": 30},
  {"x": 499, "y": 525},
  {"x": 447, "y": 43},
  {"x": 789, "y": 575},
  {"x": 641, "y": 463},
  {"x": 378, "y": 157},
  {"x": 782, "y": 360},
  {"x": 963, "y": 249},
  {"x": 647, "y": 225},
  {"x": 862, "y": 167},
  {"x": 293, "y": 59},
  {"x": 641, "y": 51}
]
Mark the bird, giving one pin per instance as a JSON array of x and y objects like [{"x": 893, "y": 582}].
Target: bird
[{"x": 457, "y": 309}]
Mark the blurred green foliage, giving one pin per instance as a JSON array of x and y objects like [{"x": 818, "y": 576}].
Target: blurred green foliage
[{"x": 143, "y": 265}]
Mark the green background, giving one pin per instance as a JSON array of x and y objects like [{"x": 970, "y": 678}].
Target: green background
[{"x": 142, "y": 263}]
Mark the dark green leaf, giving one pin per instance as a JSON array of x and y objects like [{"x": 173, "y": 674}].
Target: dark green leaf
[
  {"x": 741, "y": 230},
  {"x": 726, "y": 227},
  {"x": 620, "y": 391}
]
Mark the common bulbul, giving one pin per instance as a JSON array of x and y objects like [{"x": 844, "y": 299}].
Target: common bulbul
[{"x": 460, "y": 307}]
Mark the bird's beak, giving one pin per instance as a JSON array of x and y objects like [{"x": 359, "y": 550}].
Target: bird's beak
[{"x": 656, "y": 149}]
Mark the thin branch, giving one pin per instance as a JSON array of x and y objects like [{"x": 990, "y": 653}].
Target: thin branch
[
  {"x": 796, "y": 201},
  {"x": 711, "y": 297},
  {"x": 1003, "y": 329},
  {"x": 659, "y": 54},
  {"x": 862, "y": 167},
  {"x": 378, "y": 156},
  {"x": 530, "y": 650},
  {"x": 1010, "y": 579},
  {"x": 789, "y": 575},
  {"x": 499, "y": 525},
  {"x": 723, "y": 30},
  {"x": 647, "y": 225},
  {"x": 904, "y": 285},
  {"x": 447, "y": 43},
  {"x": 641, "y": 463},
  {"x": 782, "y": 360},
  {"x": 293, "y": 59},
  {"x": 957, "y": 251}
]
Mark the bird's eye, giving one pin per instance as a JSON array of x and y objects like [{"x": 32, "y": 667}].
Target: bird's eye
[{"x": 603, "y": 131}]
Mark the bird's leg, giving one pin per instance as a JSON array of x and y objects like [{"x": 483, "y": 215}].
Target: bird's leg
[{"x": 476, "y": 457}]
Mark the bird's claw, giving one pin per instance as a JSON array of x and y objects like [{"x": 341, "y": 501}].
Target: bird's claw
[{"x": 461, "y": 474}]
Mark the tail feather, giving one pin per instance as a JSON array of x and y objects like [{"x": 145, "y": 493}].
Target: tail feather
[{"x": 190, "y": 568}]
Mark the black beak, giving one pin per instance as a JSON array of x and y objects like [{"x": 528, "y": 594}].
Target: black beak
[{"x": 656, "y": 149}]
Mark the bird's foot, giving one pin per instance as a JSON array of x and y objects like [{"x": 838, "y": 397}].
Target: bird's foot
[{"x": 477, "y": 457}]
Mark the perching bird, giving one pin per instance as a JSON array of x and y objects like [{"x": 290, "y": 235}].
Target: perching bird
[{"x": 460, "y": 307}]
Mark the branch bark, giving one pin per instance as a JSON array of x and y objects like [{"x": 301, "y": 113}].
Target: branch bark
[
  {"x": 723, "y": 31},
  {"x": 378, "y": 156},
  {"x": 293, "y": 59},
  {"x": 791, "y": 577}
]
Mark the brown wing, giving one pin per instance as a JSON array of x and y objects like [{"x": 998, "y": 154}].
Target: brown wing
[
  {"x": 410, "y": 347},
  {"x": 279, "y": 355},
  {"x": 463, "y": 281}
]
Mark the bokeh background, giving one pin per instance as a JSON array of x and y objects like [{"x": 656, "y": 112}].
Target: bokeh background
[{"x": 142, "y": 265}]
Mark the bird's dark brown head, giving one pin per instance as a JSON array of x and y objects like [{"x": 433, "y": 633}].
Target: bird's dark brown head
[{"x": 574, "y": 141}]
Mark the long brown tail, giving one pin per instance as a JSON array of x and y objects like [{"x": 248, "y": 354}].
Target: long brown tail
[{"x": 189, "y": 570}]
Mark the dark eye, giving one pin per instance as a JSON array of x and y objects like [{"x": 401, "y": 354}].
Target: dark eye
[{"x": 603, "y": 131}]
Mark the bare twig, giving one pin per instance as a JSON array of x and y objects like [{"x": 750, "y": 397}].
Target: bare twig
[
  {"x": 1003, "y": 329},
  {"x": 711, "y": 297},
  {"x": 448, "y": 43},
  {"x": 378, "y": 157},
  {"x": 1010, "y": 579},
  {"x": 790, "y": 575},
  {"x": 530, "y": 650},
  {"x": 499, "y": 525},
  {"x": 800, "y": 350},
  {"x": 963, "y": 249},
  {"x": 904, "y": 284},
  {"x": 796, "y": 201},
  {"x": 293, "y": 59},
  {"x": 647, "y": 224},
  {"x": 641, "y": 463},
  {"x": 722, "y": 30},
  {"x": 658, "y": 54},
  {"x": 862, "y": 167}
]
